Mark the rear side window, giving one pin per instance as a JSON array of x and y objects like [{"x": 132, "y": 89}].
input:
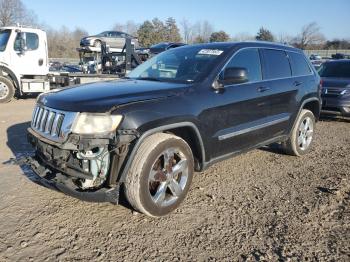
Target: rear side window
[
  {"x": 250, "y": 60},
  {"x": 276, "y": 64},
  {"x": 299, "y": 65}
]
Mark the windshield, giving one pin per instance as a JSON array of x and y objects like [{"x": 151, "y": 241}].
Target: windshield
[
  {"x": 4, "y": 37},
  {"x": 182, "y": 65},
  {"x": 335, "y": 69}
]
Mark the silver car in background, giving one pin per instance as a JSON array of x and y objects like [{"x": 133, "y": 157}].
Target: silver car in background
[{"x": 114, "y": 39}]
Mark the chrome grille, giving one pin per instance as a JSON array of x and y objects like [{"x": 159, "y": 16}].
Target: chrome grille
[{"x": 51, "y": 123}]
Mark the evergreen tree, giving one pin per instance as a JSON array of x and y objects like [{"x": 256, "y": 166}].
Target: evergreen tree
[
  {"x": 145, "y": 34},
  {"x": 220, "y": 36},
  {"x": 172, "y": 31},
  {"x": 264, "y": 35}
]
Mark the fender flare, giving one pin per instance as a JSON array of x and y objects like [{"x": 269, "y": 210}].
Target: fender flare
[
  {"x": 13, "y": 76},
  {"x": 125, "y": 170},
  {"x": 305, "y": 101}
]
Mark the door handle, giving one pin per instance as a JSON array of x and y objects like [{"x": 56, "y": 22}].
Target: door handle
[
  {"x": 263, "y": 89},
  {"x": 297, "y": 83}
]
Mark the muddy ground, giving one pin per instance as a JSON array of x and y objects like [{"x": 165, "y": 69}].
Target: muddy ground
[{"x": 262, "y": 205}]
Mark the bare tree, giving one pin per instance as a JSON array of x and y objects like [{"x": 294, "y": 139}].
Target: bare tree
[
  {"x": 63, "y": 42},
  {"x": 202, "y": 31},
  {"x": 129, "y": 27},
  {"x": 309, "y": 35},
  {"x": 243, "y": 36},
  {"x": 207, "y": 30},
  {"x": 14, "y": 11},
  {"x": 187, "y": 30},
  {"x": 118, "y": 27},
  {"x": 285, "y": 38}
]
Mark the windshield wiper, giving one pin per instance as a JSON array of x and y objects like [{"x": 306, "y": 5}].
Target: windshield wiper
[{"x": 148, "y": 78}]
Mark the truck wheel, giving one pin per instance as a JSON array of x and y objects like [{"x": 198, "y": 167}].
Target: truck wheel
[
  {"x": 160, "y": 175},
  {"x": 7, "y": 90},
  {"x": 299, "y": 143}
]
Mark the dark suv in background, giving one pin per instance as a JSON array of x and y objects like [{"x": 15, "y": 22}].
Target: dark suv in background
[
  {"x": 179, "y": 112},
  {"x": 336, "y": 87}
]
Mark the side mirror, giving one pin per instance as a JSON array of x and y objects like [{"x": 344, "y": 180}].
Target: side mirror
[
  {"x": 22, "y": 45},
  {"x": 234, "y": 75}
]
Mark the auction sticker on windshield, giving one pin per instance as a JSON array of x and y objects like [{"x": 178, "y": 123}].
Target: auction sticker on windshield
[{"x": 210, "y": 52}]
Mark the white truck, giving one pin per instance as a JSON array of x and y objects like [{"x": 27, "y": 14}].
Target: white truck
[{"x": 24, "y": 64}]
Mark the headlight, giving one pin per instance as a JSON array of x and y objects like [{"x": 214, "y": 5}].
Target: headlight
[{"x": 95, "y": 123}]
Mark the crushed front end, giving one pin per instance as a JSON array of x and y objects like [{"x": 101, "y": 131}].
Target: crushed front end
[{"x": 80, "y": 154}]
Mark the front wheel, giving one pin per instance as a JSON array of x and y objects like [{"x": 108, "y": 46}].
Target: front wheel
[
  {"x": 160, "y": 175},
  {"x": 97, "y": 44},
  {"x": 7, "y": 90},
  {"x": 302, "y": 135}
]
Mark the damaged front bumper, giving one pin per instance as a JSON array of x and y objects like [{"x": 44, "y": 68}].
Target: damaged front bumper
[
  {"x": 59, "y": 164},
  {"x": 64, "y": 183}
]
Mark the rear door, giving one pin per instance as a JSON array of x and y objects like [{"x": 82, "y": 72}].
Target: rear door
[{"x": 281, "y": 89}]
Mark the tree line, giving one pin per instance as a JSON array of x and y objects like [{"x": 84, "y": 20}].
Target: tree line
[{"x": 64, "y": 41}]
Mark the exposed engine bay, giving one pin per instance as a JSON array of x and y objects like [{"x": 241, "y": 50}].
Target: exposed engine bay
[
  {"x": 96, "y": 162},
  {"x": 86, "y": 162}
]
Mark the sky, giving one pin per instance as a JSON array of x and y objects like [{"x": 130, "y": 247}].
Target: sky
[{"x": 235, "y": 16}]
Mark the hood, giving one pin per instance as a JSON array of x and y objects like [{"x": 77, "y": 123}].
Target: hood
[
  {"x": 335, "y": 82},
  {"x": 103, "y": 96}
]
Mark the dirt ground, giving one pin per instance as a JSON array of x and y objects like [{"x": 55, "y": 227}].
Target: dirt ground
[{"x": 262, "y": 205}]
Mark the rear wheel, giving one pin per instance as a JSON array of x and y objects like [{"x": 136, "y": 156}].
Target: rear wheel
[
  {"x": 301, "y": 138},
  {"x": 160, "y": 175},
  {"x": 7, "y": 90}
]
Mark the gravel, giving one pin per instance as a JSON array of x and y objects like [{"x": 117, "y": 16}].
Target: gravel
[{"x": 262, "y": 205}]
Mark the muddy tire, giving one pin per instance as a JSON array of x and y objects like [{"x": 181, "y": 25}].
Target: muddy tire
[
  {"x": 7, "y": 90},
  {"x": 301, "y": 138},
  {"x": 160, "y": 175}
]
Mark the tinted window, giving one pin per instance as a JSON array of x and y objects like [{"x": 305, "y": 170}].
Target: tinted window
[
  {"x": 299, "y": 65},
  {"x": 32, "y": 41},
  {"x": 335, "y": 69},
  {"x": 276, "y": 64},
  {"x": 250, "y": 60}
]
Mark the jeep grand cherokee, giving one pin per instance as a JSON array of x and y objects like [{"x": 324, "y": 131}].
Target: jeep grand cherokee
[{"x": 177, "y": 113}]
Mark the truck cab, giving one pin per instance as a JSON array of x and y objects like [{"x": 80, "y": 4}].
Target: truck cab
[{"x": 23, "y": 61}]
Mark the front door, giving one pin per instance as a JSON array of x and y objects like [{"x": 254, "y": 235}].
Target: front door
[
  {"x": 238, "y": 113},
  {"x": 33, "y": 61}
]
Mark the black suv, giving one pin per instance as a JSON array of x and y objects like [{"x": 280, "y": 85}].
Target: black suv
[
  {"x": 335, "y": 79},
  {"x": 177, "y": 113}
]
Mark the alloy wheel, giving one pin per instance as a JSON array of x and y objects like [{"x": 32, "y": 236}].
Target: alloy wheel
[
  {"x": 305, "y": 133},
  {"x": 168, "y": 177}
]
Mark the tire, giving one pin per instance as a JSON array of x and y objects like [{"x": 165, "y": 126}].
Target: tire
[
  {"x": 151, "y": 186},
  {"x": 301, "y": 138},
  {"x": 7, "y": 90},
  {"x": 97, "y": 44}
]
